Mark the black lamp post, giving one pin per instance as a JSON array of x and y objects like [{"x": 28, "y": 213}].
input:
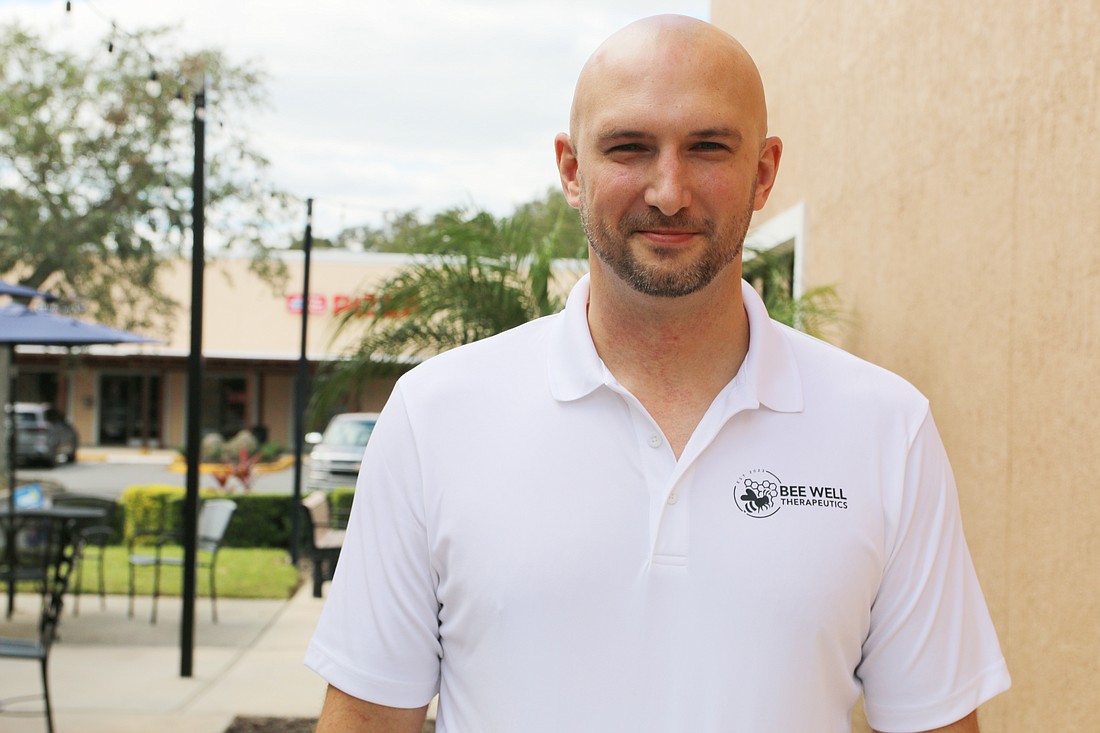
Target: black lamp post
[
  {"x": 301, "y": 391},
  {"x": 194, "y": 391}
]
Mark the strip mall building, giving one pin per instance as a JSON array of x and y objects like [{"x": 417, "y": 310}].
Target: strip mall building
[{"x": 136, "y": 395}]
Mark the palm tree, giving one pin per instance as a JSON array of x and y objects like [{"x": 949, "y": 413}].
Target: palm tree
[
  {"x": 813, "y": 312},
  {"x": 496, "y": 276}
]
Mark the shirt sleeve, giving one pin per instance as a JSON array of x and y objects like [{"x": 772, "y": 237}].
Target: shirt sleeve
[
  {"x": 378, "y": 635},
  {"x": 931, "y": 656}
]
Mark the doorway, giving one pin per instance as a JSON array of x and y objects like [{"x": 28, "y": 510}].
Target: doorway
[{"x": 129, "y": 410}]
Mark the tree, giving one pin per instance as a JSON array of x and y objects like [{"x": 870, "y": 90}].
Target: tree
[
  {"x": 95, "y": 169},
  {"x": 493, "y": 275},
  {"x": 553, "y": 216},
  {"x": 548, "y": 218}
]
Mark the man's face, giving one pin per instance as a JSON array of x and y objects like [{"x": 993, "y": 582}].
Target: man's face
[
  {"x": 662, "y": 255},
  {"x": 667, "y": 154}
]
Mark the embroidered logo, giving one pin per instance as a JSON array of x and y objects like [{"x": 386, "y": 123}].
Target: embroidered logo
[{"x": 761, "y": 494}]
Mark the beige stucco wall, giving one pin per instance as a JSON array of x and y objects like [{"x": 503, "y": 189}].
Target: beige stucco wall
[
  {"x": 175, "y": 409},
  {"x": 946, "y": 154},
  {"x": 276, "y": 411},
  {"x": 81, "y": 402}
]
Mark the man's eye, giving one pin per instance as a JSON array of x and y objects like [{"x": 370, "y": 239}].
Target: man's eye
[
  {"x": 708, "y": 146},
  {"x": 625, "y": 148}
]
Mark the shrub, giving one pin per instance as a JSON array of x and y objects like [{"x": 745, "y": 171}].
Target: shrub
[
  {"x": 211, "y": 448},
  {"x": 243, "y": 442},
  {"x": 154, "y": 508},
  {"x": 270, "y": 451},
  {"x": 340, "y": 499},
  {"x": 260, "y": 520}
]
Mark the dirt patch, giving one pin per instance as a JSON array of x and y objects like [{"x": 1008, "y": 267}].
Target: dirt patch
[
  {"x": 286, "y": 725},
  {"x": 271, "y": 725}
]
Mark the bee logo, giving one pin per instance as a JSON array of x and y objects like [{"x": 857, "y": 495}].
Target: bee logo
[
  {"x": 755, "y": 493},
  {"x": 757, "y": 502}
]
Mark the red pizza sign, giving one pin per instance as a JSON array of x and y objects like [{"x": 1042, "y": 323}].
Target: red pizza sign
[
  {"x": 364, "y": 305},
  {"x": 318, "y": 304}
]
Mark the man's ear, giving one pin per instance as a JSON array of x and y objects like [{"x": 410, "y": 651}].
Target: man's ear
[
  {"x": 766, "y": 168},
  {"x": 567, "y": 169}
]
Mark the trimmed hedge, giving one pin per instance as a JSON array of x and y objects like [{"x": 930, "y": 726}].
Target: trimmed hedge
[
  {"x": 261, "y": 520},
  {"x": 341, "y": 501}
]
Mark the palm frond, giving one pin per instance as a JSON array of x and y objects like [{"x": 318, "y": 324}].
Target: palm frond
[{"x": 495, "y": 279}]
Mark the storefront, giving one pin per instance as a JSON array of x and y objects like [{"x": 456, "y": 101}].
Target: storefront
[{"x": 136, "y": 395}]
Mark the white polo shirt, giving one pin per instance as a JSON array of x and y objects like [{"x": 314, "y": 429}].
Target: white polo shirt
[{"x": 524, "y": 541}]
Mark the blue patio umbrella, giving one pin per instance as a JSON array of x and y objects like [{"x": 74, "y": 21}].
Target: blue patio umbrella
[
  {"x": 21, "y": 291},
  {"x": 29, "y": 326},
  {"x": 20, "y": 325}
]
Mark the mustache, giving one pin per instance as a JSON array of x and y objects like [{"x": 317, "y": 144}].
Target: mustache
[{"x": 656, "y": 220}]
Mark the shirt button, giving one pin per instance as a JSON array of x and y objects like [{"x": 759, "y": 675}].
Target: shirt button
[
  {"x": 655, "y": 440},
  {"x": 672, "y": 498}
]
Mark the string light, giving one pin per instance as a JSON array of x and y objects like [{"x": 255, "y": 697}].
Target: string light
[{"x": 152, "y": 86}]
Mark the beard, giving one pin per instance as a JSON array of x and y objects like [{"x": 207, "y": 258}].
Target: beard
[{"x": 612, "y": 246}]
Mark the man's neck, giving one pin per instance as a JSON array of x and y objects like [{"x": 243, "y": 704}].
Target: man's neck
[{"x": 674, "y": 354}]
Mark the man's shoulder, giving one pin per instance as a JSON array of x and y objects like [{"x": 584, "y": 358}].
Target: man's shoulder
[
  {"x": 510, "y": 354},
  {"x": 828, "y": 368}
]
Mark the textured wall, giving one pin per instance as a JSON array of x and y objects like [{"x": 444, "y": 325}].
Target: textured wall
[{"x": 947, "y": 157}]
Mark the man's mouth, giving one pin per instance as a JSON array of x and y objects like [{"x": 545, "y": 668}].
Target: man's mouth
[{"x": 667, "y": 237}]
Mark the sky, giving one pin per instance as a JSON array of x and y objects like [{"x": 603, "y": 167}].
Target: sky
[{"x": 378, "y": 107}]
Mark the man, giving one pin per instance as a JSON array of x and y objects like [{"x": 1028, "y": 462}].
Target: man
[{"x": 657, "y": 510}]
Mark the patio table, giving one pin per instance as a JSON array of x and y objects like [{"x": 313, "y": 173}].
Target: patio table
[{"x": 57, "y": 522}]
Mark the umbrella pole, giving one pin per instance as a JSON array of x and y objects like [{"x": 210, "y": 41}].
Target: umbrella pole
[
  {"x": 7, "y": 439},
  {"x": 7, "y": 426}
]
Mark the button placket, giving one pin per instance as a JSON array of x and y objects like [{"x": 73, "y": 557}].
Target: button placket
[
  {"x": 668, "y": 514},
  {"x": 664, "y": 479}
]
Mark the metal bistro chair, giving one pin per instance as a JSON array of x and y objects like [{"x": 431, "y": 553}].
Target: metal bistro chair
[
  {"x": 326, "y": 538},
  {"x": 92, "y": 538},
  {"x": 24, "y": 555},
  {"x": 214, "y": 517},
  {"x": 63, "y": 548}
]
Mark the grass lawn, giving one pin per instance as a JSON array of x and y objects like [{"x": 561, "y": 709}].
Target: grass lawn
[{"x": 242, "y": 573}]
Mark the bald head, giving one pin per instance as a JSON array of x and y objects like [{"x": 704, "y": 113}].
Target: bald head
[{"x": 671, "y": 49}]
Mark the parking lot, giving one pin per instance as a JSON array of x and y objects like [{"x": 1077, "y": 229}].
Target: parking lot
[{"x": 108, "y": 472}]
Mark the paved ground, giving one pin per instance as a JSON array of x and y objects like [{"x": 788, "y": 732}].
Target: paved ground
[
  {"x": 108, "y": 471},
  {"x": 112, "y": 674}
]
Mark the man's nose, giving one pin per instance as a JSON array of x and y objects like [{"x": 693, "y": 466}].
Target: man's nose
[{"x": 668, "y": 189}]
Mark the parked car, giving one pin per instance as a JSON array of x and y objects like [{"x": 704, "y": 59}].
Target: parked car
[
  {"x": 336, "y": 454},
  {"x": 43, "y": 435}
]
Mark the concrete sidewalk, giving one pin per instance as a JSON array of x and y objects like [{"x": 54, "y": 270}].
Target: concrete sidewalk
[
  {"x": 112, "y": 674},
  {"x": 119, "y": 454}
]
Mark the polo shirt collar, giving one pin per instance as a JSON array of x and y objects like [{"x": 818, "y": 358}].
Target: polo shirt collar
[
  {"x": 575, "y": 368},
  {"x": 769, "y": 375},
  {"x": 770, "y": 368}
]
